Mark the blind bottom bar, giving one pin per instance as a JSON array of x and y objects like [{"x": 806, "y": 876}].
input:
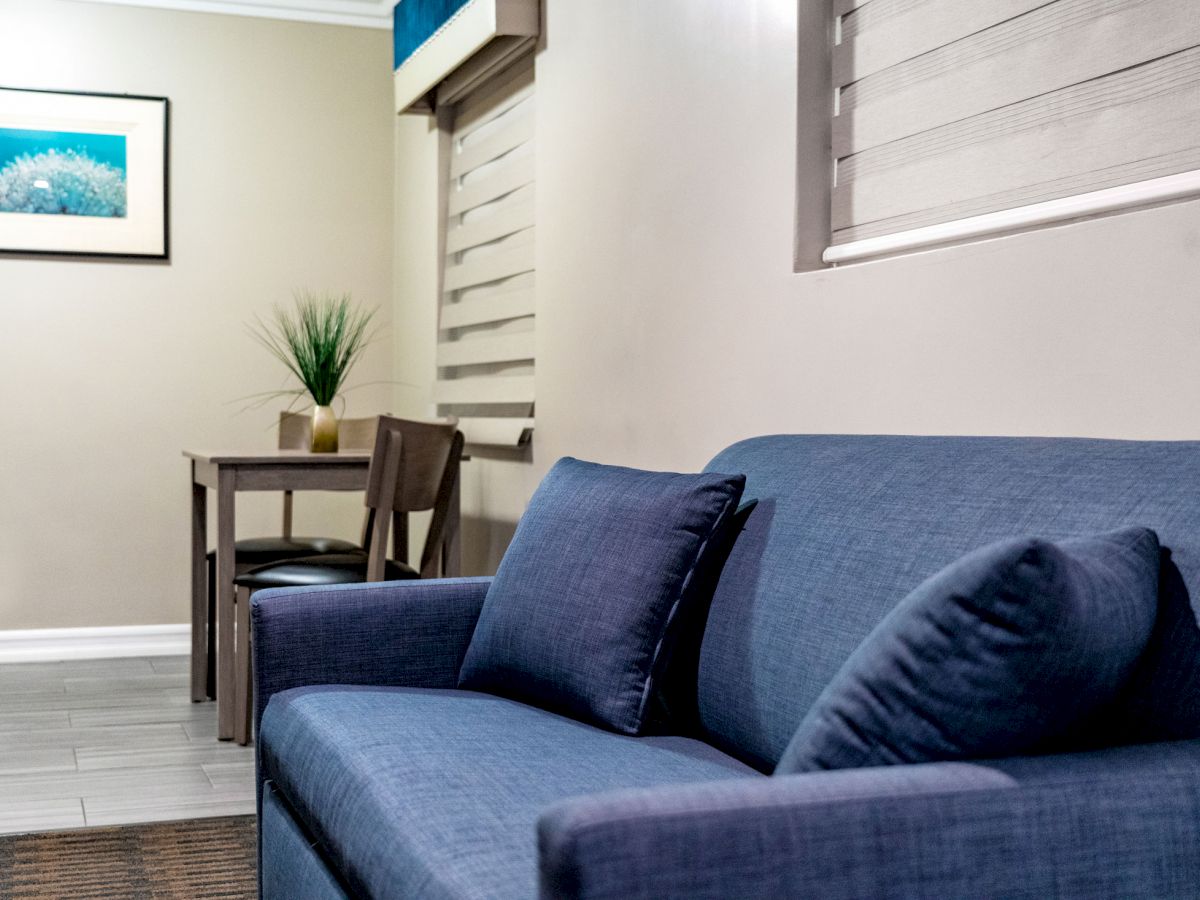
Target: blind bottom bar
[
  {"x": 1156, "y": 190},
  {"x": 498, "y": 431}
]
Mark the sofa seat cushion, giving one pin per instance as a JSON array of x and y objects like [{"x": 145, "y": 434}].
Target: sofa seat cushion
[{"x": 436, "y": 793}]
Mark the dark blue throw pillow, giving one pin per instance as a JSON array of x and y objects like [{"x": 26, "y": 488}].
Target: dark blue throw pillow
[
  {"x": 1161, "y": 699},
  {"x": 578, "y": 617},
  {"x": 1007, "y": 649}
]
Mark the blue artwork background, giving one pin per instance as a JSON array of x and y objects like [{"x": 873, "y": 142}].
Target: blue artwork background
[
  {"x": 103, "y": 148},
  {"x": 62, "y": 173}
]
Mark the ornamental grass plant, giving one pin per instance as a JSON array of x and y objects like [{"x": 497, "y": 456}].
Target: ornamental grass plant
[{"x": 318, "y": 340}]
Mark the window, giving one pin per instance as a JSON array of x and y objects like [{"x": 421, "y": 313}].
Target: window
[{"x": 955, "y": 120}]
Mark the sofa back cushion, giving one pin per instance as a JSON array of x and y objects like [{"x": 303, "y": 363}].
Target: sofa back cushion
[{"x": 846, "y": 526}]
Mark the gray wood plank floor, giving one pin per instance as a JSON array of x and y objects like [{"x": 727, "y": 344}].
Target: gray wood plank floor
[{"x": 112, "y": 742}]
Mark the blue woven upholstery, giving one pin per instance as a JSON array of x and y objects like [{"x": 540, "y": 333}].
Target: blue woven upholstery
[
  {"x": 1009, "y": 649},
  {"x": 290, "y": 865},
  {"x": 435, "y": 794},
  {"x": 1161, "y": 701},
  {"x": 846, "y": 526},
  {"x": 403, "y": 633},
  {"x": 1117, "y": 823},
  {"x": 579, "y": 615},
  {"x": 427, "y": 791}
]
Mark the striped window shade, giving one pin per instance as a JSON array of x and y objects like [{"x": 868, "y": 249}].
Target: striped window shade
[
  {"x": 485, "y": 351},
  {"x": 960, "y": 119}
]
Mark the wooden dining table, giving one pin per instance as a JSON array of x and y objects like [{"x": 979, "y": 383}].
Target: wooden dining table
[{"x": 227, "y": 473}]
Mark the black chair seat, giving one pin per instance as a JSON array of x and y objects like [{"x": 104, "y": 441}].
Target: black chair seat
[
  {"x": 349, "y": 568},
  {"x": 262, "y": 550}
]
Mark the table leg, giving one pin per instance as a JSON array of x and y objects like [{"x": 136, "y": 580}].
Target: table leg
[
  {"x": 199, "y": 669},
  {"x": 225, "y": 604}
]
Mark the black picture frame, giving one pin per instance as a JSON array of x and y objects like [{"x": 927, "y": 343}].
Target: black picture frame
[{"x": 46, "y": 153}]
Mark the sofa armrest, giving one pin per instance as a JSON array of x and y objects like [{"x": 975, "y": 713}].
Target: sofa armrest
[
  {"x": 1115, "y": 823},
  {"x": 409, "y": 633}
]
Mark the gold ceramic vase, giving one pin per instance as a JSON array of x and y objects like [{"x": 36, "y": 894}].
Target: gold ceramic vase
[{"x": 324, "y": 430}]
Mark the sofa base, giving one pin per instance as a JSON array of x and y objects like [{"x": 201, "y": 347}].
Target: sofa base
[{"x": 291, "y": 865}]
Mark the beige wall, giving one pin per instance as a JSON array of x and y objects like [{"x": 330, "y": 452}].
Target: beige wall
[
  {"x": 671, "y": 321},
  {"x": 281, "y": 178}
]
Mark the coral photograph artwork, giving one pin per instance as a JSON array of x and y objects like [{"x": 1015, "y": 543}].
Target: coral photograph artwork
[
  {"x": 62, "y": 173},
  {"x": 84, "y": 174}
]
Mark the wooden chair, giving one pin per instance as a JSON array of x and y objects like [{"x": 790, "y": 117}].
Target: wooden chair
[
  {"x": 295, "y": 433},
  {"x": 414, "y": 467}
]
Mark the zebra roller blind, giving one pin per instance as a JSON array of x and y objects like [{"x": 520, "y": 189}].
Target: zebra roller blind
[
  {"x": 948, "y": 110},
  {"x": 485, "y": 351}
]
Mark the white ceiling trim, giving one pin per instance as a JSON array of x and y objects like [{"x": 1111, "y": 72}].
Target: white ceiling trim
[{"x": 361, "y": 13}]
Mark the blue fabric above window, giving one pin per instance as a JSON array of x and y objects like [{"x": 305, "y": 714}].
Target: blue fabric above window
[{"x": 416, "y": 21}]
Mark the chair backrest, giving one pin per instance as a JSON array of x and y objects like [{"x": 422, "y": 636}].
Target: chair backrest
[
  {"x": 295, "y": 433},
  {"x": 414, "y": 467},
  {"x": 846, "y": 526}
]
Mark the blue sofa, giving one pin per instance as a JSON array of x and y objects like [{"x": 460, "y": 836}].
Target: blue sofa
[{"x": 379, "y": 779}]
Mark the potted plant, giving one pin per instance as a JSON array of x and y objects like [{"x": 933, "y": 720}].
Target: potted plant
[{"x": 319, "y": 340}]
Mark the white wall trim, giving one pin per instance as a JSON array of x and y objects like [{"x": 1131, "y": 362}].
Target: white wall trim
[
  {"x": 360, "y": 13},
  {"x": 1142, "y": 193},
  {"x": 50, "y": 644}
]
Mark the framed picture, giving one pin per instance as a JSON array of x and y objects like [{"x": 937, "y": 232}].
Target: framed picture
[{"x": 83, "y": 174}]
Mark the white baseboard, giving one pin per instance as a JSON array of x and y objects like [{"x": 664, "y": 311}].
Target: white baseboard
[{"x": 51, "y": 644}]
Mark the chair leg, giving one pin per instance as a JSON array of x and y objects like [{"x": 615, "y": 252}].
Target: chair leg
[
  {"x": 244, "y": 686},
  {"x": 211, "y": 668}
]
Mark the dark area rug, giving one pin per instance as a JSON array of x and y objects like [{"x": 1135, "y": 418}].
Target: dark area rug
[{"x": 198, "y": 858}]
